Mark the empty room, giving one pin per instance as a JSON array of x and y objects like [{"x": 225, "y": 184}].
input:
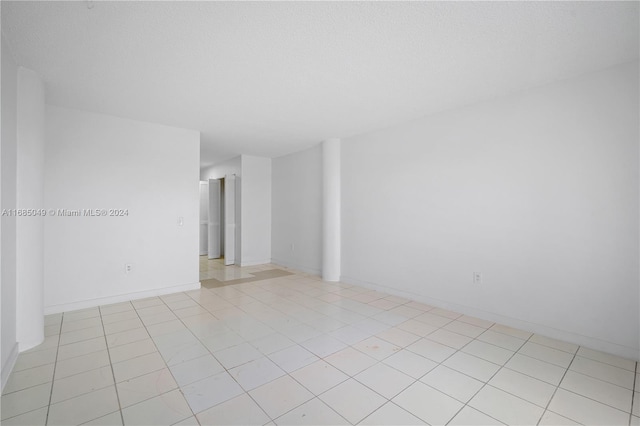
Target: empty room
[{"x": 320, "y": 213}]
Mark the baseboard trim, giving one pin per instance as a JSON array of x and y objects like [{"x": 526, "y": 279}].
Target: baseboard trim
[
  {"x": 7, "y": 367},
  {"x": 555, "y": 333},
  {"x": 91, "y": 303},
  {"x": 255, "y": 262},
  {"x": 297, "y": 267}
]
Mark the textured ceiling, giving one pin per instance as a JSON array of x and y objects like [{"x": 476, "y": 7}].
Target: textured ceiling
[{"x": 271, "y": 78}]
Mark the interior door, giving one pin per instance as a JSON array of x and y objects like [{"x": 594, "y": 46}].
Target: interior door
[
  {"x": 214, "y": 219},
  {"x": 229, "y": 219},
  {"x": 204, "y": 218}
]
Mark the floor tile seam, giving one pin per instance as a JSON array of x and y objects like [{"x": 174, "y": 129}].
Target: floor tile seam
[
  {"x": 53, "y": 377},
  {"x": 34, "y": 366},
  {"x": 221, "y": 364},
  {"x": 27, "y": 387},
  {"x": 332, "y": 387},
  {"x": 555, "y": 391},
  {"x": 113, "y": 374},
  {"x": 635, "y": 384},
  {"x": 165, "y": 366},
  {"x": 486, "y": 383},
  {"x": 27, "y": 412},
  {"x": 586, "y": 373},
  {"x": 605, "y": 363},
  {"x": 413, "y": 381}
]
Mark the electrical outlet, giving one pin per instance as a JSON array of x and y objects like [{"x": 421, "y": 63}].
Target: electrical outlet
[
  {"x": 128, "y": 268},
  {"x": 180, "y": 221},
  {"x": 477, "y": 277},
  {"x": 293, "y": 247}
]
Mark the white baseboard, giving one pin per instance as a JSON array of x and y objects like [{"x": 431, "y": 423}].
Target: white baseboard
[
  {"x": 255, "y": 262},
  {"x": 297, "y": 267},
  {"x": 555, "y": 333},
  {"x": 73, "y": 306},
  {"x": 7, "y": 367}
]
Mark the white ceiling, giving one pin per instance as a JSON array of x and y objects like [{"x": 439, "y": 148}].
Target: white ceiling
[{"x": 271, "y": 78}]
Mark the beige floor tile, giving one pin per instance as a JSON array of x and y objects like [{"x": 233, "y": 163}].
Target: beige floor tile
[
  {"x": 377, "y": 348},
  {"x": 81, "y": 348},
  {"x": 523, "y": 386},
  {"x": 312, "y": 413},
  {"x": 546, "y": 354},
  {"x": 586, "y": 411},
  {"x": 432, "y": 350},
  {"x": 23, "y": 379},
  {"x": 506, "y": 407},
  {"x": 428, "y": 404},
  {"x": 32, "y": 418},
  {"x": 319, "y": 376},
  {"x": 391, "y": 414},
  {"x": 352, "y": 400},
  {"x": 196, "y": 369},
  {"x": 411, "y": 364},
  {"x": 602, "y": 371},
  {"x": 81, "y": 363},
  {"x": 135, "y": 367},
  {"x": 83, "y": 408},
  {"x": 535, "y": 368},
  {"x": 488, "y": 352},
  {"x": 470, "y": 416},
  {"x": 78, "y": 384},
  {"x": 350, "y": 361},
  {"x": 280, "y": 396},
  {"x": 24, "y": 401},
  {"x": 616, "y": 361},
  {"x": 607, "y": 393},
  {"x": 241, "y": 410},
  {"x": 132, "y": 350},
  {"x": 35, "y": 359},
  {"x": 385, "y": 380},
  {"x": 141, "y": 388},
  {"x": 453, "y": 383},
  {"x": 256, "y": 373},
  {"x": 472, "y": 366},
  {"x": 555, "y": 344},
  {"x": 166, "y": 409}
]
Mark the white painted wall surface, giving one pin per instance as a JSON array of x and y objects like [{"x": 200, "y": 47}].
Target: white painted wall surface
[
  {"x": 95, "y": 161},
  {"x": 538, "y": 191},
  {"x": 218, "y": 171},
  {"x": 331, "y": 212},
  {"x": 255, "y": 210},
  {"x": 297, "y": 210},
  {"x": 8, "y": 157},
  {"x": 30, "y": 195}
]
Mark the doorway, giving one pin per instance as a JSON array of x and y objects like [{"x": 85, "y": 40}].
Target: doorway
[{"x": 218, "y": 219}]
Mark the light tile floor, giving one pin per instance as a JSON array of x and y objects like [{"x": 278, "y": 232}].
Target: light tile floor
[{"x": 295, "y": 350}]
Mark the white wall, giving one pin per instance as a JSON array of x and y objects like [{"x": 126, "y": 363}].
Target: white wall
[
  {"x": 255, "y": 210},
  {"x": 30, "y": 195},
  {"x": 538, "y": 191},
  {"x": 218, "y": 171},
  {"x": 8, "y": 157},
  {"x": 297, "y": 210},
  {"x": 95, "y": 161},
  {"x": 254, "y": 192}
]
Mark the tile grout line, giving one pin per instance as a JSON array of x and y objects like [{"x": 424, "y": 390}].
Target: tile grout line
[
  {"x": 485, "y": 384},
  {"x": 546, "y": 408},
  {"x": 165, "y": 362},
  {"x": 113, "y": 374},
  {"x": 635, "y": 383},
  {"x": 55, "y": 365}
]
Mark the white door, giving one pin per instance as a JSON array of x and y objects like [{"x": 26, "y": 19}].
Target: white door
[
  {"x": 204, "y": 218},
  {"x": 229, "y": 219},
  {"x": 214, "y": 219}
]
